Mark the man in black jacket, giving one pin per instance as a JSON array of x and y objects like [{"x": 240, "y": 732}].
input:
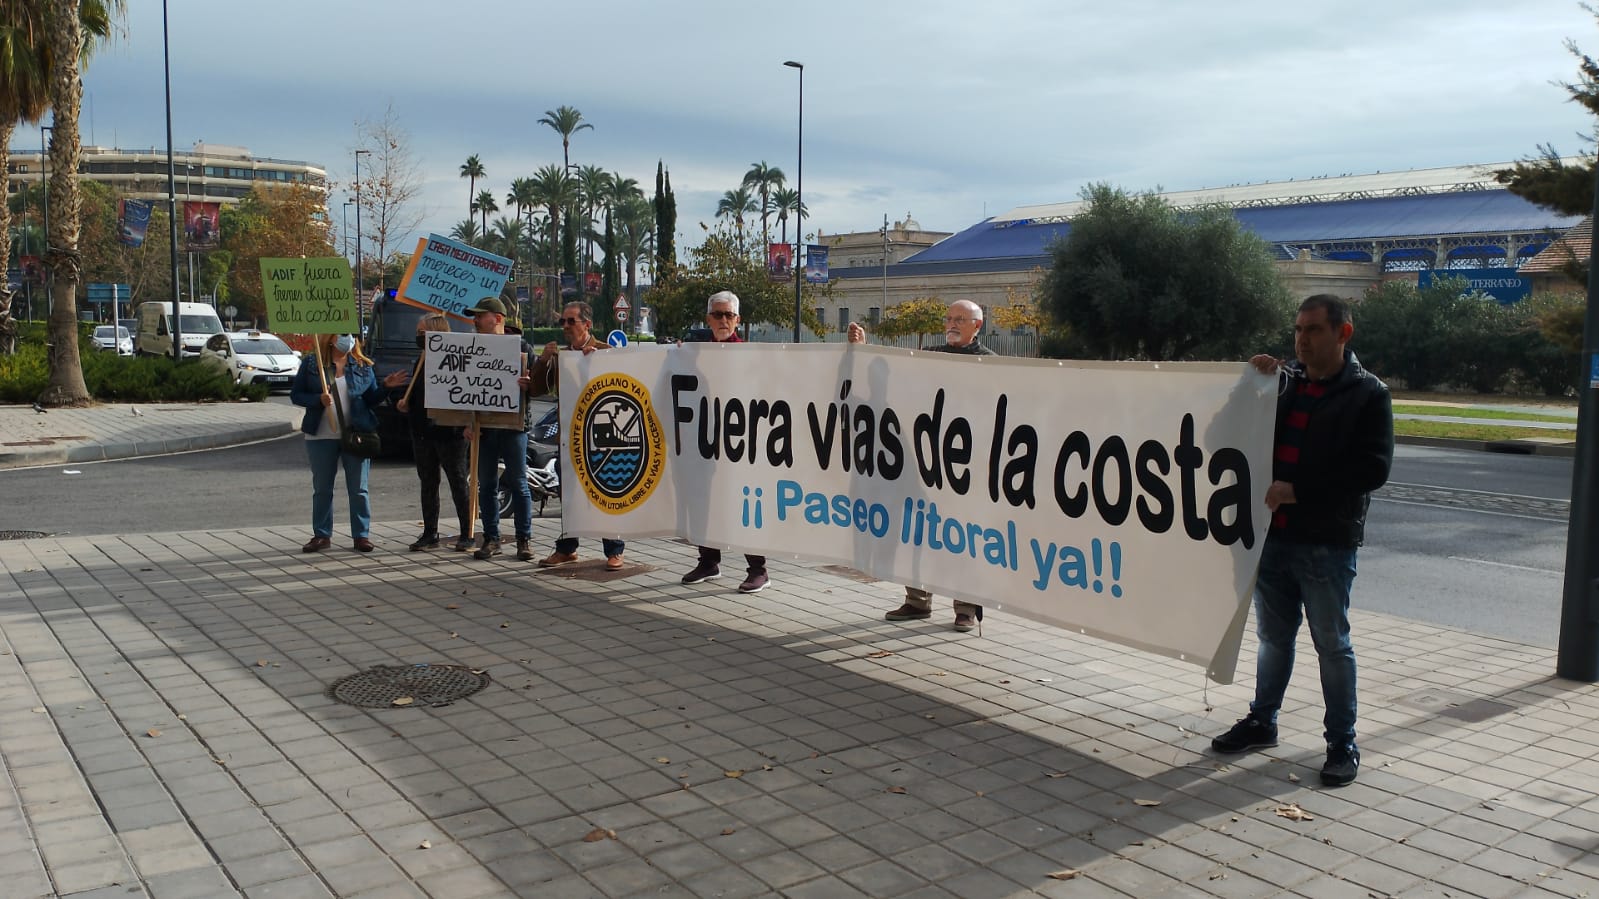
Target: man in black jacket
[
  {"x": 963, "y": 329},
  {"x": 1334, "y": 446}
]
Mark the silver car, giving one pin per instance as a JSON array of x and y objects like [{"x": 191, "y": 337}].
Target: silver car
[
  {"x": 113, "y": 337},
  {"x": 252, "y": 357}
]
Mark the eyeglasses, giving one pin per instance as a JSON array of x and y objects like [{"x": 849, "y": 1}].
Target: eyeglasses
[
  {"x": 722, "y": 313},
  {"x": 570, "y": 321}
]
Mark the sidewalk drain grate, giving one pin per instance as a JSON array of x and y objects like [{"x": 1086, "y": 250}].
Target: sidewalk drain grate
[
  {"x": 22, "y": 535},
  {"x": 423, "y": 685}
]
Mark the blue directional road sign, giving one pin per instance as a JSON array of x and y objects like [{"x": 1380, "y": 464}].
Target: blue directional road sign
[{"x": 616, "y": 338}]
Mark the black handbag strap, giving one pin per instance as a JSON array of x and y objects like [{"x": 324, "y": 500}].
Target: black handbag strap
[{"x": 338, "y": 406}]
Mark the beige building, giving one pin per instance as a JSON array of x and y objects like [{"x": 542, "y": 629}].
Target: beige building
[{"x": 212, "y": 173}]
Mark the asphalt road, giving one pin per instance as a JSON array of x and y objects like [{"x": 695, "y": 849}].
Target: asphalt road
[{"x": 1466, "y": 539}]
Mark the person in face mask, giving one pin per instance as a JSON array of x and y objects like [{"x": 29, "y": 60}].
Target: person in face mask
[
  {"x": 348, "y": 371},
  {"x": 436, "y": 447}
]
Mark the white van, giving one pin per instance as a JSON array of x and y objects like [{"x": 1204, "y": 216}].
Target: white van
[{"x": 199, "y": 323}]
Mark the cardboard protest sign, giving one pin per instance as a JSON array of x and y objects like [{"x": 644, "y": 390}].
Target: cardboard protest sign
[
  {"x": 309, "y": 296},
  {"x": 451, "y": 277},
  {"x": 467, "y": 373}
]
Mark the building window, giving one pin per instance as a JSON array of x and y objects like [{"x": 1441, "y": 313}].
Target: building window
[
  {"x": 874, "y": 315},
  {"x": 843, "y": 318}
]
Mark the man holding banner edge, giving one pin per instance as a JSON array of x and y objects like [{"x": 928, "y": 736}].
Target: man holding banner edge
[{"x": 1334, "y": 445}]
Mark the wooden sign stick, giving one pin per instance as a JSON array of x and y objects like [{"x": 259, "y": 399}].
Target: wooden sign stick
[{"x": 471, "y": 480}]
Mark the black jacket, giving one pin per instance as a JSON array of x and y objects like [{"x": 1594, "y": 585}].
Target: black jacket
[
  {"x": 1347, "y": 451},
  {"x": 975, "y": 348}
]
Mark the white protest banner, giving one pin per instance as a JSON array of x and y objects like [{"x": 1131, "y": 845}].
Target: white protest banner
[
  {"x": 472, "y": 372},
  {"x": 1123, "y": 500}
]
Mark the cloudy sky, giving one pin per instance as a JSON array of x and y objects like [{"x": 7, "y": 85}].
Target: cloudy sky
[{"x": 950, "y": 111}]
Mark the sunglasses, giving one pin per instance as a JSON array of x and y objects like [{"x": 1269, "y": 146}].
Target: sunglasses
[
  {"x": 570, "y": 321},
  {"x": 723, "y": 313}
]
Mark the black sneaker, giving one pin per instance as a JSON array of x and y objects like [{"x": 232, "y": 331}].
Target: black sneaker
[
  {"x": 1343, "y": 763},
  {"x": 705, "y": 571},
  {"x": 1246, "y": 735},
  {"x": 428, "y": 540},
  {"x": 488, "y": 550}
]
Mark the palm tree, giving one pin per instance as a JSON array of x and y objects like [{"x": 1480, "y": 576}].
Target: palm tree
[
  {"x": 764, "y": 179},
  {"x": 522, "y": 196},
  {"x": 466, "y": 232},
  {"x": 785, "y": 201},
  {"x": 69, "y": 28},
  {"x": 472, "y": 170},
  {"x": 566, "y": 121},
  {"x": 594, "y": 185},
  {"x": 635, "y": 235},
  {"x": 735, "y": 204},
  {"x": 508, "y": 237},
  {"x": 556, "y": 191},
  {"x": 25, "y": 60},
  {"x": 485, "y": 204}
]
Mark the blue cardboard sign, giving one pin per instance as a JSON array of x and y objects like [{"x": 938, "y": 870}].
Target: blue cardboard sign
[{"x": 450, "y": 276}]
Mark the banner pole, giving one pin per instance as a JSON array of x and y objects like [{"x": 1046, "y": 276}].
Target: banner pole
[
  {"x": 471, "y": 475},
  {"x": 322, "y": 373}
]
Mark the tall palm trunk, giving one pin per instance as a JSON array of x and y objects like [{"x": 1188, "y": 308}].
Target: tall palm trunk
[
  {"x": 7, "y": 326},
  {"x": 62, "y": 263}
]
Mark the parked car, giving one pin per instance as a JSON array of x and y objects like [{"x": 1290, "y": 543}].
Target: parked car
[
  {"x": 113, "y": 337},
  {"x": 252, "y": 357}
]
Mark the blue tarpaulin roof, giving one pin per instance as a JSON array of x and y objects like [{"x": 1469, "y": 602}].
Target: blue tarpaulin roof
[{"x": 1006, "y": 246}]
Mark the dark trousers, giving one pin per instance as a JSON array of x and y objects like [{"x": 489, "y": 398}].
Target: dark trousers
[
  {"x": 757, "y": 564},
  {"x": 449, "y": 456}
]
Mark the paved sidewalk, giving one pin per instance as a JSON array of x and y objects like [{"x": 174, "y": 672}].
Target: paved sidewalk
[
  {"x": 121, "y": 430},
  {"x": 166, "y": 731}
]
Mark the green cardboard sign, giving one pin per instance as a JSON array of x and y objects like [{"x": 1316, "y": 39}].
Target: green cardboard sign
[{"x": 309, "y": 296}]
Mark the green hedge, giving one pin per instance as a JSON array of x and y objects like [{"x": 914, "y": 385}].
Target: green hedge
[
  {"x": 1440, "y": 337},
  {"x": 117, "y": 379}
]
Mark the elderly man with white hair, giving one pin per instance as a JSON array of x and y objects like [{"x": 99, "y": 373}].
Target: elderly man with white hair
[
  {"x": 721, "y": 316},
  {"x": 963, "y": 323}
]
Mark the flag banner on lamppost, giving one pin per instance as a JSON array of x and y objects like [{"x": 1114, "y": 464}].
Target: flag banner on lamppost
[
  {"x": 451, "y": 277},
  {"x": 200, "y": 224},
  {"x": 592, "y": 282},
  {"x": 309, "y": 296},
  {"x": 133, "y": 221},
  {"x": 815, "y": 264},
  {"x": 1122, "y": 500},
  {"x": 779, "y": 262}
]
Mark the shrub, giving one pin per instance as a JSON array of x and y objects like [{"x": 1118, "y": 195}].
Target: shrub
[{"x": 122, "y": 379}]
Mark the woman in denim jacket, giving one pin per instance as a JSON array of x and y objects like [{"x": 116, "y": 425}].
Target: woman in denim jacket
[{"x": 352, "y": 376}]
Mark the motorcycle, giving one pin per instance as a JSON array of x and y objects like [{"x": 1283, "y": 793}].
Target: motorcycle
[{"x": 543, "y": 468}]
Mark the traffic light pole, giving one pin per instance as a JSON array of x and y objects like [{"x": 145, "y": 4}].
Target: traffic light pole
[{"x": 1579, "y": 609}]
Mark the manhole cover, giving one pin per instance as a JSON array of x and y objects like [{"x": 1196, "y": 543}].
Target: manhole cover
[
  {"x": 22, "y": 535},
  {"x": 390, "y": 686}
]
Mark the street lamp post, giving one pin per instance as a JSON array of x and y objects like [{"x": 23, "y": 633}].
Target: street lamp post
[
  {"x": 359, "y": 291},
  {"x": 172, "y": 194},
  {"x": 799, "y": 197}
]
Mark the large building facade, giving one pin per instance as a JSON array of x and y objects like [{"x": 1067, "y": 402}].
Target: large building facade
[
  {"x": 207, "y": 173},
  {"x": 1338, "y": 235}
]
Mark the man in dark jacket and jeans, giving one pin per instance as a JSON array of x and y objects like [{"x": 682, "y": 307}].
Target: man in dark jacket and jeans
[{"x": 1334, "y": 446}]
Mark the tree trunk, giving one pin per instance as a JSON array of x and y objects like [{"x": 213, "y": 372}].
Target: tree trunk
[
  {"x": 7, "y": 128},
  {"x": 62, "y": 264}
]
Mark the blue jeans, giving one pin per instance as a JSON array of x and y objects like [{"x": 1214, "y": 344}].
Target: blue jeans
[
  {"x": 325, "y": 458},
  {"x": 496, "y": 446},
  {"x": 1306, "y": 581}
]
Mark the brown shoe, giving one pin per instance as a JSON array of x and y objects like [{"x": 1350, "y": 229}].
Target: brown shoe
[
  {"x": 363, "y": 545},
  {"x": 524, "y": 550},
  {"x": 488, "y": 550},
  {"x": 316, "y": 545},
  {"x": 462, "y": 544},
  {"x": 614, "y": 563},
  {"x": 908, "y": 612},
  {"x": 554, "y": 560}
]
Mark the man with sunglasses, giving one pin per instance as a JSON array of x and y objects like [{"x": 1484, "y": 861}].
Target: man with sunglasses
[
  {"x": 577, "y": 323},
  {"x": 721, "y": 316},
  {"x": 963, "y": 323}
]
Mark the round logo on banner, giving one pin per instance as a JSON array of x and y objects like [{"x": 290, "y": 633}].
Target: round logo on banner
[{"x": 618, "y": 447}]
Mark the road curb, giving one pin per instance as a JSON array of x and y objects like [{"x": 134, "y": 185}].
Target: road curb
[
  {"x": 1565, "y": 448},
  {"x": 105, "y": 452}
]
